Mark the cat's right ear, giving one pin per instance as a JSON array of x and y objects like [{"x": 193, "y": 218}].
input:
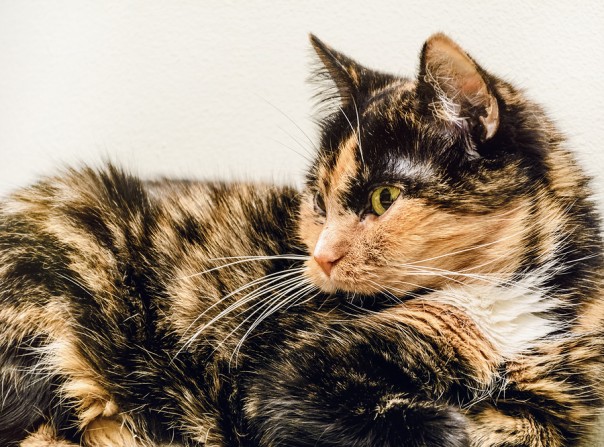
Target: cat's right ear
[
  {"x": 456, "y": 89},
  {"x": 344, "y": 72}
]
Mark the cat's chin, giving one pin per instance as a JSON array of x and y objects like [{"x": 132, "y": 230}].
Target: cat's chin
[{"x": 334, "y": 284}]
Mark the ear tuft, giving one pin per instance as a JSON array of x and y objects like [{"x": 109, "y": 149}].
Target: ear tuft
[
  {"x": 342, "y": 70},
  {"x": 458, "y": 92}
]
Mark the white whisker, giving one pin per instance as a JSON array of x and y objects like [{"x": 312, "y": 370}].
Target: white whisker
[
  {"x": 356, "y": 109},
  {"x": 355, "y": 131},
  {"x": 243, "y": 259},
  {"x": 271, "y": 310},
  {"x": 287, "y": 146},
  {"x": 465, "y": 250},
  {"x": 293, "y": 122},
  {"x": 270, "y": 279},
  {"x": 275, "y": 284}
]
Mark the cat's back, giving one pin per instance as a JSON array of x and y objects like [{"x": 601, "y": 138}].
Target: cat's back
[
  {"x": 92, "y": 263},
  {"x": 87, "y": 218},
  {"x": 104, "y": 236}
]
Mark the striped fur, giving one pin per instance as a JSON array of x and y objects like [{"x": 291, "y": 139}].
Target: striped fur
[{"x": 182, "y": 313}]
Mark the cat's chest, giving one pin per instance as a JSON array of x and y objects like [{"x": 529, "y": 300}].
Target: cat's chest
[{"x": 514, "y": 315}]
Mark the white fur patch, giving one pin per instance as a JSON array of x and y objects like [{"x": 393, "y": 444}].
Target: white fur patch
[
  {"x": 510, "y": 314},
  {"x": 414, "y": 169},
  {"x": 444, "y": 107}
]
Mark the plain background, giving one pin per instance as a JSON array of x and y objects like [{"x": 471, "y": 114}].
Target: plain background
[{"x": 217, "y": 88}]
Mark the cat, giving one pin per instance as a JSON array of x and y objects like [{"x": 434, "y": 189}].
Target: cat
[{"x": 437, "y": 282}]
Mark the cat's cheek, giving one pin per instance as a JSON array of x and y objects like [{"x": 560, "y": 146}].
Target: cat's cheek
[
  {"x": 309, "y": 228},
  {"x": 368, "y": 220}
]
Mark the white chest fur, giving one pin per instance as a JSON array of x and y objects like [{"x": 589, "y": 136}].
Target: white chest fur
[{"x": 512, "y": 314}]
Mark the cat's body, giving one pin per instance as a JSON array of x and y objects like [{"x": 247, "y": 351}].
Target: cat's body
[
  {"x": 453, "y": 296},
  {"x": 116, "y": 269}
]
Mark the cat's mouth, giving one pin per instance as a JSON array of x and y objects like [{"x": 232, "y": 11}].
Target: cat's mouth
[
  {"x": 361, "y": 292},
  {"x": 338, "y": 277},
  {"x": 381, "y": 301}
]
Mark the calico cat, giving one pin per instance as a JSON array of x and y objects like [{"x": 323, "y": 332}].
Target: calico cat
[{"x": 438, "y": 282}]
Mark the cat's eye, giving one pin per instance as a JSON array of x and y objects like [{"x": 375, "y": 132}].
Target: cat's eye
[
  {"x": 382, "y": 198},
  {"x": 319, "y": 203}
]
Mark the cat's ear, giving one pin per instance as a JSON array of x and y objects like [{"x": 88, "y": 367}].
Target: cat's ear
[
  {"x": 456, "y": 89},
  {"x": 346, "y": 74}
]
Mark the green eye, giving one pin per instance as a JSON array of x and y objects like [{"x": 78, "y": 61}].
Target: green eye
[
  {"x": 319, "y": 203},
  {"x": 382, "y": 198}
]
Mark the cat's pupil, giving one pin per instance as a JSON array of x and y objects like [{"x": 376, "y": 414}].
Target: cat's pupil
[
  {"x": 319, "y": 203},
  {"x": 386, "y": 198}
]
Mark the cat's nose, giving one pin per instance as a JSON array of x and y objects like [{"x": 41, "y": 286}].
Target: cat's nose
[
  {"x": 326, "y": 261},
  {"x": 330, "y": 248}
]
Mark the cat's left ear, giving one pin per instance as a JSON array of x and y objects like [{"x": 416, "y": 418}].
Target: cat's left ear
[
  {"x": 456, "y": 89},
  {"x": 352, "y": 80}
]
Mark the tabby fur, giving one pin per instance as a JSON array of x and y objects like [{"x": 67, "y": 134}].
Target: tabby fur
[{"x": 470, "y": 313}]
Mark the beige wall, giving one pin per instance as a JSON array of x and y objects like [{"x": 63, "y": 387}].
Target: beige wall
[{"x": 208, "y": 88}]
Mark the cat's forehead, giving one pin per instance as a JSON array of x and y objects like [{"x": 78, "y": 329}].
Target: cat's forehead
[
  {"x": 392, "y": 99},
  {"x": 381, "y": 141},
  {"x": 336, "y": 172}
]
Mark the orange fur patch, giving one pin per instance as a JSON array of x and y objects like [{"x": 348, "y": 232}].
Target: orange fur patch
[{"x": 45, "y": 436}]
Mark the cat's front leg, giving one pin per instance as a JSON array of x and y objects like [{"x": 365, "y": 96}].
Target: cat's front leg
[
  {"x": 388, "y": 379},
  {"x": 551, "y": 396}
]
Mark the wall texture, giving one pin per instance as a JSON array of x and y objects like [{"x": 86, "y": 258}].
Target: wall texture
[{"x": 217, "y": 88}]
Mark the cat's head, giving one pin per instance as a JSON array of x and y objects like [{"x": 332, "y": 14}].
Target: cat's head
[{"x": 425, "y": 181}]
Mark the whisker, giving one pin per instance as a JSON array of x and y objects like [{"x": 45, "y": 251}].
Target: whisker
[
  {"x": 305, "y": 300},
  {"x": 465, "y": 250},
  {"x": 356, "y": 109},
  {"x": 243, "y": 259},
  {"x": 270, "y": 299},
  {"x": 384, "y": 290},
  {"x": 287, "y": 146},
  {"x": 491, "y": 279},
  {"x": 295, "y": 140},
  {"x": 266, "y": 278},
  {"x": 261, "y": 257},
  {"x": 435, "y": 271},
  {"x": 291, "y": 121},
  {"x": 272, "y": 280},
  {"x": 283, "y": 293},
  {"x": 271, "y": 310},
  {"x": 354, "y": 131},
  {"x": 405, "y": 292},
  {"x": 262, "y": 305},
  {"x": 409, "y": 292}
]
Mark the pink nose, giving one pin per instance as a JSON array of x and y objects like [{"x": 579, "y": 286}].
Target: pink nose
[{"x": 326, "y": 261}]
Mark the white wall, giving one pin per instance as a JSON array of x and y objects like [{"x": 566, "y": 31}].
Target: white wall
[{"x": 213, "y": 88}]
